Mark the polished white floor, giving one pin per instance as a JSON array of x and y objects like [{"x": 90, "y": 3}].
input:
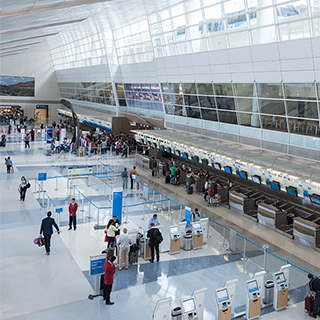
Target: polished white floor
[{"x": 36, "y": 286}]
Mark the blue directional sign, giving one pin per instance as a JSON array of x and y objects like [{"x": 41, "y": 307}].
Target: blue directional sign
[
  {"x": 59, "y": 210},
  {"x": 96, "y": 264},
  {"x": 187, "y": 215},
  {"x": 117, "y": 204},
  {"x": 49, "y": 134},
  {"x": 42, "y": 176}
]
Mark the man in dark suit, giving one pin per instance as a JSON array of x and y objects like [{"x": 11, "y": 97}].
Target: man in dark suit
[
  {"x": 47, "y": 230},
  {"x": 152, "y": 243}
]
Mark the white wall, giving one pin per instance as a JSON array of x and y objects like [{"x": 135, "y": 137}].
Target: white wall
[{"x": 35, "y": 62}]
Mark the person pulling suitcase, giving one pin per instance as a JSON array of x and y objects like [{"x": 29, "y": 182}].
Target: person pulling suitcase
[{"x": 314, "y": 285}]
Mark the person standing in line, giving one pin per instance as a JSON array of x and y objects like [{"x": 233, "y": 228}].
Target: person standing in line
[
  {"x": 27, "y": 141},
  {"x": 152, "y": 243},
  {"x": 32, "y": 134},
  {"x": 109, "y": 270},
  {"x": 47, "y": 230},
  {"x": 314, "y": 285},
  {"x": 58, "y": 135},
  {"x": 124, "y": 242},
  {"x": 62, "y": 151},
  {"x": 111, "y": 232},
  {"x": 133, "y": 175},
  {"x": 124, "y": 176},
  {"x": 9, "y": 129},
  {"x": 73, "y": 207},
  {"x": 195, "y": 216},
  {"x": 154, "y": 220},
  {"x": 8, "y": 164},
  {"x": 23, "y": 188}
]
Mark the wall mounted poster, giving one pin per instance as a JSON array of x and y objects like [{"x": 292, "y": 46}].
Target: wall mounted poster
[{"x": 17, "y": 86}]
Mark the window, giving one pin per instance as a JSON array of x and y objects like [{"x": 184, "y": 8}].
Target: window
[
  {"x": 300, "y": 91},
  {"x": 205, "y": 88},
  {"x": 225, "y": 103},
  {"x": 302, "y": 109},
  {"x": 272, "y": 107},
  {"x": 223, "y": 89}
]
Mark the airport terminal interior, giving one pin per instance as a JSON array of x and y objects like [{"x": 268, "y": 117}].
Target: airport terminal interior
[{"x": 231, "y": 87}]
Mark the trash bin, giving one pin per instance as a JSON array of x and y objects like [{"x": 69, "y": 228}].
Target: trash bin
[
  {"x": 269, "y": 287},
  {"x": 176, "y": 313},
  {"x": 187, "y": 241}
]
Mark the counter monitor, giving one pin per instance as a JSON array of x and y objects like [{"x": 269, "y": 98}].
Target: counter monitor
[
  {"x": 196, "y": 226},
  {"x": 205, "y": 161},
  {"x": 195, "y": 158},
  {"x": 292, "y": 190},
  {"x": 256, "y": 179},
  {"x": 222, "y": 295},
  {"x": 185, "y": 155},
  {"x": 275, "y": 185},
  {"x": 217, "y": 166},
  {"x": 168, "y": 150},
  {"x": 228, "y": 169},
  {"x": 188, "y": 305},
  {"x": 161, "y": 148},
  {"x": 252, "y": 286},
  {"x": 243, "y": 174},
  {"x": 314, "y": 198},
  {"x": 174, "y": 230},
  {"x": 280, "y": 277},
  {"x": 177, "y": 153}
]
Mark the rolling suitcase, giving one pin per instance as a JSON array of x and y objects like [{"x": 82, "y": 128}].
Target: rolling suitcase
[
  {"x": 168, "y": 179},
  {"x": 133, "y": 254},
  {"x": 190, "y": 190},
  {"x": 309, "y": 304}
]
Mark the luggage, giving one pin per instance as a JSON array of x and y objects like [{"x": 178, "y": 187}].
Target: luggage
[
  {"x": 133, "y": 254},
  {"x": 168, "y": 179},
  {"x": 190, "y": 190},
  {"x": 309, "y": 304}
]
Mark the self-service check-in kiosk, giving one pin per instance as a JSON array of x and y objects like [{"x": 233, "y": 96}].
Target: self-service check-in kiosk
[
  {"x": 189, "y": 310},
  {"x": 197, "y": 235},
  {"x": 162, "y": 309},
  {"x": 280, "y": 293},
  {"x": 253, "y": 302},
  {"x": 223, "y": 305},
  {"x": 174, "y": 240}
]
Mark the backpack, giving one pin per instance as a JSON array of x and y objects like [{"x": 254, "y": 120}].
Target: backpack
[
  {"x": 123, "y": 174},
  {"x": 157, "y": 236},
  {"x": 7, "y": 162}
]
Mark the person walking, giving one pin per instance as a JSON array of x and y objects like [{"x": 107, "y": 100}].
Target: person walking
[
  {"x": 109, "y": 270},
  {"x": 8, "y": 163},
  {"x": 111, "y": 232},
  {"x": 22, "y": 188},
  {"x": 133, "y": 175},
  {"x": 47, "y": 230},
  {"x": 124, "y": 241},
  {"x": 27, "y": 141},
  {"x": 58, "y": 134},
  {"x": 153, "y": 242},
  {"x": 314, "y": 285},
  {"x": 124, "y": 176},
  {"x": 62, "y": 151},
  {"x": 73, "y": 207}
]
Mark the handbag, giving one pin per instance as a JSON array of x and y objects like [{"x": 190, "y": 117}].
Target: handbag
[
  {"x": 40, "y": 241},
  {"x": 106, "y": 237},
  {"x": 28, "y": 185}
]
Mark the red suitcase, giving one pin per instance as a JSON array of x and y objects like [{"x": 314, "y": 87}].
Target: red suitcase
[{"x": 309, "y": 304}]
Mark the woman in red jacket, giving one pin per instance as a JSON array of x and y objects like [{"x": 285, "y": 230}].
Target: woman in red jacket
[
  {"x": 73, "y": 207},
  {"x": 109, "y": 271}
]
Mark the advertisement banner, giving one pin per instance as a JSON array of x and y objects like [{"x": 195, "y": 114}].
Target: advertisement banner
[
  {"x": 187, "y": 215},
  {"x": 117, "y": 203}
]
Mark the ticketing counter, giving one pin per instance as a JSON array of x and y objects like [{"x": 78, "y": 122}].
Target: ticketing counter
[
  {"x": 280, "y": 293},
  {"x": 174, "y": 240},
  {"x": 271, "y": 216},
  {"x": 253, "y": 299},
  {"x": 306, "y": 232},
  {"x": 197, "y": 235},
  {"x": 223, "y": 304},
  {"x": 189, "y": 309}
]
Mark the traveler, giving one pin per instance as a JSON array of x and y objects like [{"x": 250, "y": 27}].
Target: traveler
[
  {"x": 173, "y": 172},
  {"x": 124, "y": 176},
  {"x": 23, "y": 186},
  {"x": 124, "y": 242},
  {"x": 109, "y": 270},
  {"x": 195, "y": 216},
  {"x": 153, "y": 243},
  {"x": 8, "y": 163},
  {"x": 133, "y": 175},
  {"x": 73, "y": 207},
  {"x": 46, "y": 229},
  {"x": 206, "y": 187},
  {"x": 154, "y": 220},
  {"x": 27, "y": 141},
  {"x": 111, "y": 233},
  {"x": 314, "y": 286}
]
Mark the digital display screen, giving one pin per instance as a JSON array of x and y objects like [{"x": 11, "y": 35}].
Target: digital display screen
[
  {"x": 161, "y": 148},
  {"x": 315, "y": 198},
  {"x": 228, "y": 169},
  {"x": 280, "y": 277},
  {"x": 168, "y": 150},
  {"x": 174, "y": 230},
  {"x": 256, "y": 179},
  {"x": 275, "y": 185},
  {"x": 252, "y": 286},
  {"x": 292, "y": 190},
  {"x": 217, "y": 166},
  {"x": 177, "y": 153},
  {"x": 188, "y": 305},
  {"x": 205, "y": 161},
  {"x": 185, "y": 155},
  {"x": 222, "y": 295},
  {"x": 196, "y": 226},
  {"x": 243, "y": 175},
  {"x": 148, "y": 143},
  {"x": 195, "y": 159}
]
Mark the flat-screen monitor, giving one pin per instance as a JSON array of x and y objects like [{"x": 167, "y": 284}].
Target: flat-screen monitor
[
  {"x": 196, "y": 226},
  {"x": 252, "y": 286},
  {"x": 292, "y": 190},
  {"x": 243, "y": 175},
  {"x": 185, "y": 155},
  {"x": 217, "y": 166},
  {"x": 161, "y": 147},
  {"x": 168, "y": 150},
  {"x": 228, "y": 169},
  {"x": 195, "y": 158},
  {"x": 275, "y": 185},
  {"x": 256, "y": 179},
  {"x": 177, "y": 153},
  {"x": 314, "y": 198},
  {"x": 174, "y": 230},
  {"x": 188, "y": 305},
  {"x": 222, "y": 295},
  {"x": 205, "y": 161},
  {"x": 148, "y": 143},
  {"x": 280, "y": 277}
]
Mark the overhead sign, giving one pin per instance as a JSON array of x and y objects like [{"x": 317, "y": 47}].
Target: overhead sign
[
  {"x": 42, "y": 106},
  {"x": 117, "y": 203},
  {"x": 96, "y": 264}
]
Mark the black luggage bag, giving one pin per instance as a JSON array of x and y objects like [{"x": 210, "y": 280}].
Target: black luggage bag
[
  {"x": 168, "y": 179},
  {"x": 190, "y": 190},
  {"x": 133, "y": 254}
]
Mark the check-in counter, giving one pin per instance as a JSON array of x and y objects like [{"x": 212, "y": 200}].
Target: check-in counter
[
  {"x": 236, "y": 201},
  {"x": 271, "y": 216},
  {"x": 199, "y": 184},
  {"x": 142, "y": 161},
  {"x": 183, "y": 177},
  {"x": 306, "y": 232}
]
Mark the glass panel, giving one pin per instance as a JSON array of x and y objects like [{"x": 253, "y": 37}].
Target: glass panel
[
  {"x": 236, "y": 21},
  {"x": 223, "y": 89},
  {"x": 300, "y": 91},
  {"x": 169, "y": 109},
  {"x": 168, "y": 37},
  {"x": 164, "y": 14},
  {"x": 249, "y": 119},
  {"x": 183, "y": 47},
  {"x": 205, "y": 88},
  {"x": 180, "y": 111},
  {"x": 302, "y": 109},
  {"x": 247, "y": 104},
  {"x": 166, "y": 25},
  {"x": 176, "y": 10},
  {"x": 293, "y": 10},
  {"x": 213, "y": 12},
  {"x": 272, "y": 107},
  {"x": 175, "y": 87},
  {"x": 179, "y": 22},
  {"x": 189, "y": 88},
  {"x": 264, "y": 35},
  {"x": 165, "y": 87},
  {"x": 119, "y": 86},
  {"x": 206, "y": 102},
  {"x": 294, "y": 30},
  {"x": 209, "y": 2},
  {"x": 193, "y": 112},
  {"x": 225, "y": 103},
  {"x": 227, "y": 117},
  {"x": 316, "y": 27},
  {"x": 303, "y": 126},
  {"x": 217, "y": 42},
  {"x": 191, "y": 100},
  {"x": 269, "y": 90},
  {"x": 233, "y": 6},
  {"x": 194, "y": 17},
  {"x": 238, "y": 39},
  {"x": 209, "y": 114},
  {"x": 274, "y": 123},
  {"x": 244, "y": 89},
  {"x": 177, "y": 99},
  {"x": 315, "y": 6},
  {"x": 193, "y": 5},
  {"x": 199, "y": 45}
]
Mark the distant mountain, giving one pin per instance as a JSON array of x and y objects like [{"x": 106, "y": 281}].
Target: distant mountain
[{"x": 28, "y": 84}]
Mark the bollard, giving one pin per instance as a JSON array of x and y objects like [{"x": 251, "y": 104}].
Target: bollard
[
  {"x": 224, "y": 238},
  {"x": 168, "y": 214},
  {"x": 56, "y": 184},
  {"x": 127, "y": 215},
  {"x": 244, "y": 258},
  {"x": 144, "y": 211}
]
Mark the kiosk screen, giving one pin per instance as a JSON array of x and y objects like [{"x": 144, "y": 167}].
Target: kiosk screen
[
  {"x": 188, "y": 305},
  {"x": 243, "y": 174},
  {"x": 217, "y": 166},
  {"x": 280, "y": 277},
  {"x": 196, "y": 226},
  {"x": 256, "y": 179},
  {"x": 185, "y": 155},
  {"x": 174, "y": 230},
  {"x": 222, "y": 295},
  {"x": 252, "y": 286}
]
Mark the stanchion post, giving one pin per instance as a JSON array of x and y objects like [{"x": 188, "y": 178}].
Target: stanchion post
[
  {"x": 180, "y": 213},
  {"x": 89, "y": 210},
  {"x": 224, "y": 238},
  {"x": 56, "y": 184},
  {"x": 144, "y": 211},
  {"x": 98, "y": 213},
  {"x": 104, "y": 189},
  {"x": 169, "y": 207},
  {"x": 74, "y": 191},
  {"x": 82, "y": 205},
  {"x": 43, "y": 204},
  {"x": 127, "y": 215},
  {"x": 160, "y": 206},
  {"x": 153, "y": 198},
  {"x": 244, "y": 258}
]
